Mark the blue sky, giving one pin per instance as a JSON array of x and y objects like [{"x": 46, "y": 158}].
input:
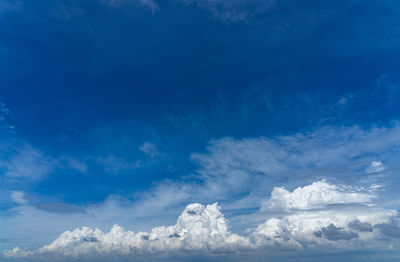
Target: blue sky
[{"x": 144, "y": 113}]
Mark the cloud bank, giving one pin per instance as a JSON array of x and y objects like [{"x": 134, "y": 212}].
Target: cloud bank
[
  {"x": 306, "y": 221},
  {"x": 238, "y": 174},
  {"x": 201, "y": 228}
]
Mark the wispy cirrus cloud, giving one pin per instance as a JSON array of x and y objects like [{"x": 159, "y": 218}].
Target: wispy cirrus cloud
[
  {"x": 375, "y": 167},
  {"x": 232, "y": 10},
  {"x": 20, "y": 161},
  {"x": 150, "y": 149},
  {"x": 25, "y": 162},
  {"x": 120, "y": 3}
]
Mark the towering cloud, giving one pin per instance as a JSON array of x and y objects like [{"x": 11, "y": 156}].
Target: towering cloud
[
  {"x": 198, "y": 228},
  {"x": 322, "y": 214}
]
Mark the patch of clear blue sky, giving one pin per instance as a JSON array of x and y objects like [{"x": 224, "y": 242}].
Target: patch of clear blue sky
[{"x": 86, "y": 80}]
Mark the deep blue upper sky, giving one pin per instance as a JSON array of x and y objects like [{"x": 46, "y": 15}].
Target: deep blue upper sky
[{"x": 111, "y": 97}]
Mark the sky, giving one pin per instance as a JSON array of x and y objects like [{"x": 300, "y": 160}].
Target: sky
[{"x": 199, "y": 130}]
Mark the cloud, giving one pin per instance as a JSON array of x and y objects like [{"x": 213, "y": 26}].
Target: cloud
[
  {"x": 375, "y": 167},
  {"x": 389, "y": 229},
  {"x": 205, "y": 230},
  {"x": 343, "y": 101},
  {"x": 223, "y": 10},
  {"x": 332, "y": 232},
  {"x": 74, "y": 163},
  {"x": 21, "y": 161},
  {"x": 232, "y": 10},
  {"x": 310, "y": 229},
  {"x": 197, "y": 228},
  {"x": 360, "y": 226},
  {"x": 327, "y": 147},
  {"x": 309, "y": 220},
  {"x": 238, "y": 173},
  {"x": 5, "y": 119},
  {"x": 150, "y": 149},
  {"x": 25, "y": 162},
  {"x": 114, "y": 164},
  {"x": 18, "y": 197},
  {"x": 317, "y": 195},
  {"x": 244, "y": 168},
  {"x": 120, "y": 3}
]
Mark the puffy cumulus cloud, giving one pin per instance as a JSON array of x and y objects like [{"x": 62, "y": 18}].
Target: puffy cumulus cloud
[
  {"x": 318, "y": 194},
  {"x": 198, "y": 228},
  {"x": 309, "y": 220},
  {"x": 334, "y": 228},
  {"x": 389, "y": 229},
  {"x": 204, "y": 230},
  {"x": 375, "y": 167},
  {"x": 332, "y": 232},
  {"x": 360, "y": 226}
]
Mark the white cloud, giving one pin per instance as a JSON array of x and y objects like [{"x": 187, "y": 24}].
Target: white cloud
[
  {"x": 232, "y": 167},
  {"x": 375, "y": 167},
  {"x": 238, "y": 173},
  {"x": 319, "y": 194},
  {"x": 308, "y": 220},
  {"x": 333, "y": 228},
  {"x": 23, "y": 162},
  {"x": 197, "y": 228},
  {"x": 18, "y": 197},
  {"x": 204, "y": 229},
  {"x": 26, "y": 163}
]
